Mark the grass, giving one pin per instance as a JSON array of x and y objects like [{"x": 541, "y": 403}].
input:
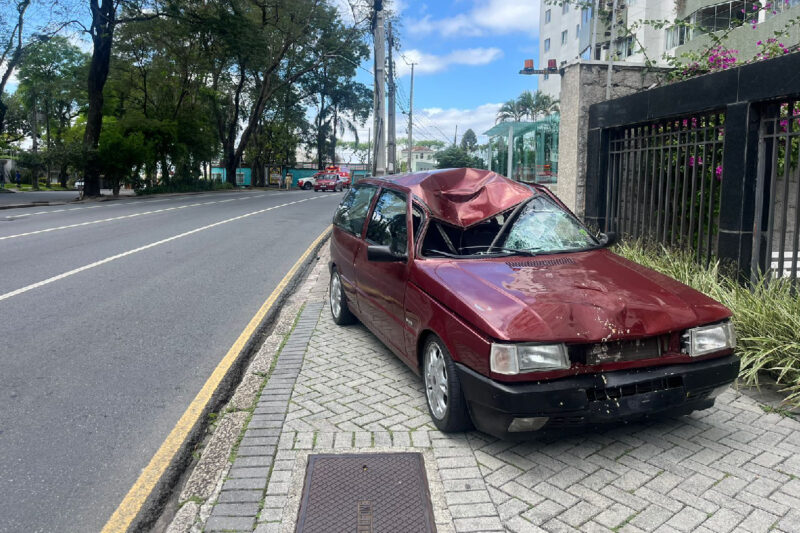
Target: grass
[{"x": 766, "y": 315}]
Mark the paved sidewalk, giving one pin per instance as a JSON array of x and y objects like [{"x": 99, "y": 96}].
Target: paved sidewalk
[{"x": 732, "y": 467}]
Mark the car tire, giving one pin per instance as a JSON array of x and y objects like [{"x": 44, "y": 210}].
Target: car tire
[
  {"x": 307, "y": 186},
  {"x": 443, "y": 395},
  {"x": 338, "y": 303}
]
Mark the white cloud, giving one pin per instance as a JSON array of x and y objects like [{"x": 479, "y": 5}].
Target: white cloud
[
  {"x": 487, "y": 16},
  {"x": 430, "y": 63}
]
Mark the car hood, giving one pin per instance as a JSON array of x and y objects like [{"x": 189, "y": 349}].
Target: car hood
[{"x": 574, "y": 297}]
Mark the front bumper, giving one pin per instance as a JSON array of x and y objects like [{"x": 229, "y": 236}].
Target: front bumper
[{"x": 596, "y": 398}]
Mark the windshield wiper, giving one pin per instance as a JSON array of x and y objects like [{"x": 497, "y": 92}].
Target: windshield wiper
[{"x": 523, "y": 251}]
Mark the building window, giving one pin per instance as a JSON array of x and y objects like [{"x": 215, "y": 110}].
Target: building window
[
  {"x": 586, "y": 15},
  {"x": 547, "y": 16},
  {"x": 564, "y": 37},
  {"x": 547, "y": 77},
  {"x": 564, "y": 8},
  {"x": 547, "y": 45},
  {"x": 677, "y": 35}
]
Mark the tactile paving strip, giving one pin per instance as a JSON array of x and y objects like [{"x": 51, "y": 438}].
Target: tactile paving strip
[{"x": 366, "y": 493}]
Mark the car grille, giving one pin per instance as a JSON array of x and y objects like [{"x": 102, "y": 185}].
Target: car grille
[
  {"x": 601, "y": 394},
  {"x": 538, "y": 263},
  {"x": 615, "y": 351}
]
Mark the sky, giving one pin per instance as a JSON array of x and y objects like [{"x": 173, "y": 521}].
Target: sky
[{"x": 468, "y": 55}]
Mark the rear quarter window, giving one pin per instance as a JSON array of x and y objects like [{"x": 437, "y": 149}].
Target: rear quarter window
[{"x": 352, "y": 212}]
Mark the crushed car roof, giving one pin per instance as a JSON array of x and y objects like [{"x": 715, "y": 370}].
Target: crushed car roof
[{"x": 463, "y": 196}]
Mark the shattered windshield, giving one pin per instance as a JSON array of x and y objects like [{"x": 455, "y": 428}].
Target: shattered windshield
[{"x": 536, "y": 226}]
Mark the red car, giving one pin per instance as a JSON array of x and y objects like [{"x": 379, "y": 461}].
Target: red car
[
  {"x": 328, "y": 182},
  {"x": 515, "y": 315}
]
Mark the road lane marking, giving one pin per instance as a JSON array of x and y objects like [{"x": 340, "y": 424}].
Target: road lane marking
[
  {"x": 121, "y": 202},
  {"x": 139, "y": 249},
  {"x": 121, "y": 217},
  {"x": 132, "y": 503}
]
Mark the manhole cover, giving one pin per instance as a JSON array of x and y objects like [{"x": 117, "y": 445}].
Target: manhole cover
[{"x": 366, "y": 493}]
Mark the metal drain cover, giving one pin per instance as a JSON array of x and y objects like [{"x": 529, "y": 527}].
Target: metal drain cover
[{"x": 366, "y": 493}]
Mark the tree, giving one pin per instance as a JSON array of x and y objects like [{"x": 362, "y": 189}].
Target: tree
[
  {"x": 295, "y": 38},
  {"x": 12, "y": 50},
  {"x": 456, "y": 157},
  {"x": 105, "y": 19},
  {"x": 50, "y": 75},
  {"x": 510, "y": 112},
  {"x": 469, "y": 141}
]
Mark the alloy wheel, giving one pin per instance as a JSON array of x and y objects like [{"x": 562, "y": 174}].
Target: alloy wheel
[
  {"x": 336, "y": 295},
  {"x": 436, "y": 388}
]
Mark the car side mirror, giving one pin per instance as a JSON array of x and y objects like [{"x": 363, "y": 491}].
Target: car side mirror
[
  {"x": 384, "y": 254},
  {"x": 608, "y": 238}
]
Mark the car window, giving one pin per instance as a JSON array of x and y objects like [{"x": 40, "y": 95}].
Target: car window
[
  {"x": 352, "y": 212},
  {"x": 416, "y": 220},
  {"x": 387, "y": 227},
  {"x": 542, "y": 226}
]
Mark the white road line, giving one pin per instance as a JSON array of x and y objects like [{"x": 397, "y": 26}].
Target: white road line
[
  {"x": 111, "y": 219},
  {"x": 140, "y": 249},
  {"x": 106, "y": 204}
]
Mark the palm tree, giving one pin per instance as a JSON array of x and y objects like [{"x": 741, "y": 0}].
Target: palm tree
[
  {"x": 527, "y": 102},
  {"x": 510, "y": 112}
]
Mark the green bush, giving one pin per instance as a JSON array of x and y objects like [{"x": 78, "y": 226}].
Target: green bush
[{"x": 766, "y": 315}]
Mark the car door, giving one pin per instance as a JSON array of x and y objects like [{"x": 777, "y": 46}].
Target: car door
[
  {"x": 382, "y": 284},
  {"x": 346, "y": 241}
]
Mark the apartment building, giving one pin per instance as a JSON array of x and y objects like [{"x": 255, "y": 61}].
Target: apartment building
[{"x": 569, "y": 33}]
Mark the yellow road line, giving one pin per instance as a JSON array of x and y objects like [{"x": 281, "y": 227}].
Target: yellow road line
[{"x": 132, "y": 504}]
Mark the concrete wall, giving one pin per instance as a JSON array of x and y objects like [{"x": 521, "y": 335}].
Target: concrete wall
[{"x": 582, "y": 85}]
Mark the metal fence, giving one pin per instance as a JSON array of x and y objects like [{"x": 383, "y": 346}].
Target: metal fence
[
  {"x": 708, "y": 164},
  {"x": 777, "y": 193},
  {"x": 663, "y": 181}
]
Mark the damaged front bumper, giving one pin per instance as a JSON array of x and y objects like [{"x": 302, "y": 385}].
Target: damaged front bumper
[{"x": 505, "y": 409}]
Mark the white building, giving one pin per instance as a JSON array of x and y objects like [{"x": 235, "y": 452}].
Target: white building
[
  {"x": 421, "y": 158},
  {"x": 567, "y": 32}
]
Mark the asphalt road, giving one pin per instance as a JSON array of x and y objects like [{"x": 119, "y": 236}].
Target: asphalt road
[{"x": 112, "y": 316}]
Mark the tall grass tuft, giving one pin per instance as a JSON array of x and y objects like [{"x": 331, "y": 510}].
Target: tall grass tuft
[{"x": 766, "y": 315}]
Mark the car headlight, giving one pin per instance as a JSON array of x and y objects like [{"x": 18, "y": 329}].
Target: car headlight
[
  {"x": 708, "y": 339},
  {"x": 518, "y": 358}
]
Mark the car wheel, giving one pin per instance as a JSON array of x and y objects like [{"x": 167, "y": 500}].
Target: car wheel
[
  {"x": 307, "y": 186},
  {"x": 339, "y": 310},
  {"x": 446, "y": 403}
]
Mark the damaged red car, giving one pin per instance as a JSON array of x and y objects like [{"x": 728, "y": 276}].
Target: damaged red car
[{"x": 516, "y": 316}]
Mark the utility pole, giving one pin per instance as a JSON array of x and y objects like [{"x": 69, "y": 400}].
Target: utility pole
[
  {"x": 455, "y": 135},
  {"x": 391, "y": 145},
  {"x": 596, "y": 16},
  {"x": 369, "y": 149},
  {"x": 411, "y": 117},
  {"x": 379, "y": 109},
  {"x": 611, "y": 40}
]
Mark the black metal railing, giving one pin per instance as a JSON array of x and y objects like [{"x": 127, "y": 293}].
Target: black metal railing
[
  {"x": 709, "y": 164},
  {"x": 777, "y": 191},
  {"x": 663, "y": 180}
]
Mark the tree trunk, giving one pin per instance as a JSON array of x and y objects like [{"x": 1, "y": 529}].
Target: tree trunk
[
  {"x": 102, "y": 31},
  {"x": 62, "y": 175}
]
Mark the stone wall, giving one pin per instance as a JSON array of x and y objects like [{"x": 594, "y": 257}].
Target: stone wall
[{"x": 582, "y": 85}]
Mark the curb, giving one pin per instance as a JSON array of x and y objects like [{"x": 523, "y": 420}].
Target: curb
[
  {"x": 154, "y": 503},
  {"x": 33, "y": 204}
]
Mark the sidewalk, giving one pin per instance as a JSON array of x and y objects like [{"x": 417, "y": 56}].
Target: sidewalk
[{"x": 338, "y": 389}]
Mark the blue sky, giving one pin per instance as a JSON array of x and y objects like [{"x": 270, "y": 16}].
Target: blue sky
[{"x": 469, "y": 53}]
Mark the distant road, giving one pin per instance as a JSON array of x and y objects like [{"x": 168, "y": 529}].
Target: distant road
[{"x": 112, "y": 316}]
